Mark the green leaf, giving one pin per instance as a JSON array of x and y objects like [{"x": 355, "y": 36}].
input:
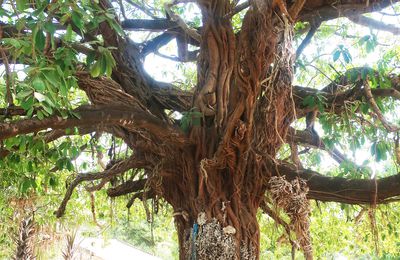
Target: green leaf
[
  {"x": 40, "y": 115},
  {"x": 27, "y": 104},
  {"x": 90, "y": 58},
  {"x": 103, "y": 64},
  {"x": 96, "y": 69},
  {"x": 336, "y": 55},
  {"x": 52, "y": 77},
  {"x": 25, "y": 185},
  {"x": 77, "y": 20},
  {"x": 364, "y": 39},
  {"x": 69, "y": 165},
  {"x": 13, "y": 42},
  {"x": 116, "y": 27},
  {"x": 50, "y": 27},
  {"x": 309, "y": 101},
  {"x": 364, "y": 108},
  {"x": 30, "y": 111},
  {"x": 68, "y": 34},
  {"x": 39, "y": 84},
  {"x": 47, "y": 108},
  {"x": 20, "y": 24},
  {"x": 22, "y": 5},
  {"x": 24, "y": 94},
  {"x": 75, "y": 114},
  {"x": 52, "y": 182},
  {"x": 196, "y": 118},
  {"x": 40, "y": 40},
  {"x": 346, "y": 56}
]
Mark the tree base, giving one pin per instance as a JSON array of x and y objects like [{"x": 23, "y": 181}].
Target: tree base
[{"x": 212, "y": 241}]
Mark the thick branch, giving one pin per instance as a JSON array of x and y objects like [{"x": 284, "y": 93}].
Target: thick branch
[
  {"x": 330, "y": 9},
  {"x": 344, "y": 90},
  {"x": 53, "y": 135},
  {"x": 337, "y": 189},
  {"x": 12, "y": 111},
  {"x": 127, "y": 187},
  {"x": 174, "y": 99},
  {"x": 307, "y": 39},
  {"x": 156, "y": 43},
  {"x": 149, "y": 24},
  {"x": 372, "y": 23},
  {"x": 142, "y": 195},
  {"x": 181, "y": 23},
  {"x": 310, "y": 139},
  {"x": 127, "y": 117}
]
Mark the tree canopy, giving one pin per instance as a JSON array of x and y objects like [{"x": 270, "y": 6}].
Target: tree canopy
[{"x": 217, "y": 108}]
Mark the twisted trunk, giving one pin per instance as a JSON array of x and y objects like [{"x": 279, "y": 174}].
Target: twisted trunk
[{"x": 244, "y": 95}]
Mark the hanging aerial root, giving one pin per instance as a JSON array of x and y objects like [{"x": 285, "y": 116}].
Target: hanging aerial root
[{"x": 292, "y": 198}]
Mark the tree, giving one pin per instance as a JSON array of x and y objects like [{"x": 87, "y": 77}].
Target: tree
[{"x": 219, "y": 163}]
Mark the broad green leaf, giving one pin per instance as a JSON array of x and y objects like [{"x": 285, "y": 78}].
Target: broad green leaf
[
  {"x": 38, "y": 84},
  {"x": 20, "y": 24},
  {"x": 68, "y": 34},
  {"x": 25, "y": 185},
  {"x": 47, "y": 108},
  {"x": 96, "y": 69},
  {"x": 22, "y": 5},
  {"x": 346, "y": 56},
  {"x": 40, "y": 115},
  {"x": 52, "y": 77},
  {"x": 77, "y": 20},
  {"x": 50, "y": 27},
  {"x": 27, "y": 104},
  {"x": 52, "y": 181},
  {"x": 24, "y": 94},
  {"x": 40, "y": 40},
  {"x": 364, "y": 39},
  {"x": 336, "y": 55},
  {"x": 90, "y": 58},
  {"x": 13, "y": 42}
]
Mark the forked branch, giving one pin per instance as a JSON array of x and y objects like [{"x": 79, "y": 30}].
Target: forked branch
[
  {"x": 371, "y": 101},
  {"x": 116, "y": 169},
  {"x": 310, "y": 139}
]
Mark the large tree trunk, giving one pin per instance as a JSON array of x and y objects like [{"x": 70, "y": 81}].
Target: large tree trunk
[{"x": 247, "y": 108}]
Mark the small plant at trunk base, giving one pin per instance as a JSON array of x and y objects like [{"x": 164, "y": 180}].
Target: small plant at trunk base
[
  {"x": 70, "y": 247},
  {"x": 24, "y": 240}
]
